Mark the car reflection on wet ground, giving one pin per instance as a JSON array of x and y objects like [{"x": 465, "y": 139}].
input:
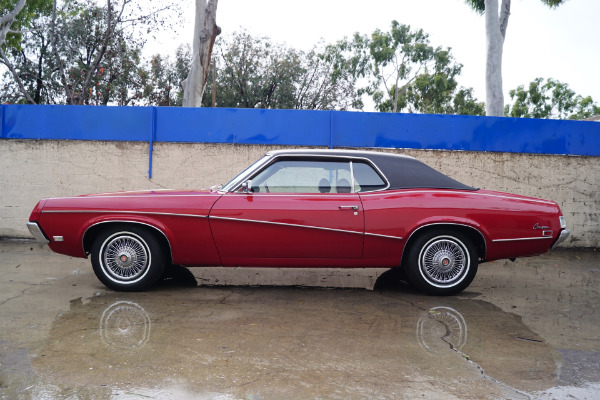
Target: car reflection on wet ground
[{"x": 522, "y": 330}]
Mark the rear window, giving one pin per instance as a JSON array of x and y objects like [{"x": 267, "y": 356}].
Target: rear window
[{"x": 366, "y": 179}]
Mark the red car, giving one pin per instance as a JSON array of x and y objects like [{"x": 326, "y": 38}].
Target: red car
[{"x": 305, "y": 208}]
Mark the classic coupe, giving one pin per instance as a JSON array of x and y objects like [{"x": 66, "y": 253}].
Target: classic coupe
[{"x": 305, "y": 208}]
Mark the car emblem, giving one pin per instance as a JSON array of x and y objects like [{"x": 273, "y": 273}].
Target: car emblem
[{"x": 538, "y": 226}]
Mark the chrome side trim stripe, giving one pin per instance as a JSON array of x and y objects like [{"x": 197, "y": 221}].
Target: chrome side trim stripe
[
  {"x": 286, "y": 224},
  {"x": 411, "y": 191},
  {"x": 516, "y": 239},
  {"x": 122, "y": 212},
  {"x": 383, "y": 236},
  {"x": 129, "y": 196}
]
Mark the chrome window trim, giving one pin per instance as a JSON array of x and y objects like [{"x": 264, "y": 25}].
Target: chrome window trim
[
  {"x": 235, "y": 183},
  {"x": 291, "y": 194},
  {"x": 517, "y": 239},
  {"x": 351, "y": 177},
  {"x": 122, "y": 212},
  {"x": 286, "y": 224},
  {"x": 272, "y": 158}
]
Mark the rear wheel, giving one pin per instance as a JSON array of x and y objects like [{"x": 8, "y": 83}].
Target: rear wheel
[
  {"x": 127, "y": 258},
  {"x": 441, "y": 262}
]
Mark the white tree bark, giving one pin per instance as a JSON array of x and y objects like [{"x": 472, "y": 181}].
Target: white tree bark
[
  {"x": 7, "y": 20},
  {"x": 496, "y": 22},
  {"x": 205, "y": 33}
]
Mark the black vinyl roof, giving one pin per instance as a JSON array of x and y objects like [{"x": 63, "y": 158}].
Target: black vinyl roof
[{"x": 402, "y": 172}]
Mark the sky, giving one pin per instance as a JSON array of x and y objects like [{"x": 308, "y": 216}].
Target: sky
[{"x": 561, "y": 43}]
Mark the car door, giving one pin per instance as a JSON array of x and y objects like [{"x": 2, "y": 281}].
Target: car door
[{"x": 297, "y": 208}]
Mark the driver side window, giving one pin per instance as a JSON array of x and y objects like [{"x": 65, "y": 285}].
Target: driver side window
[{"x": 304, "y": 176}]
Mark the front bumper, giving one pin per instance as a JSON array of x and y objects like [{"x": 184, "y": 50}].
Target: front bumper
[
  {"x": 36, "y": 232},
  {"x": 564, "y": 234}
]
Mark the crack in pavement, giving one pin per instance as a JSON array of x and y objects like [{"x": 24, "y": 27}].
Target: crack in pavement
[
  {"x": 32, "y": 285},
  {"x": 463, "y": 355},
  {"x": 479, "y": 367}
]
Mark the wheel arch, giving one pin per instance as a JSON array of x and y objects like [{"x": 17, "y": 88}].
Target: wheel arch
[
  {"x": 474, "y": 234},
  {"x": 94, "y": 230}
]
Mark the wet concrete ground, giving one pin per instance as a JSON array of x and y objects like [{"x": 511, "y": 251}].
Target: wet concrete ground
[{"x": 523, "y": 330}]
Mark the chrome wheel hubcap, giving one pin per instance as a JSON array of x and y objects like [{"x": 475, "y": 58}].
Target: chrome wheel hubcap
[
  {"x": 125, "y": 257},
  {"x": 444, "y": 261}
]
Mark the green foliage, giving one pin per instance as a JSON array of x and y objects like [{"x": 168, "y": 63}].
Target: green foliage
[
  {"x": 405, "y": 73},
  {"x": 550, "y": 99},
  {"x": 477, "y": 5},
  {"x": 96, "y": 58},
  {"x": 254, "y": 72},
  {"x": 161, "y": 79},
  {"x": 33, "y": 10}
]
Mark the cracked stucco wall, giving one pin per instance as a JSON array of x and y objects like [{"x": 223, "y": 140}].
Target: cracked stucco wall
[{"x": 34, "y": 169}]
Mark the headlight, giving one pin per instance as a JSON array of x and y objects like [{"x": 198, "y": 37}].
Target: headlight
[{"x": 563, "y": 224}]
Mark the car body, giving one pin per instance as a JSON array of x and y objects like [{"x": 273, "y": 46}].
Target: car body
[{"x": 305, "y": 208}]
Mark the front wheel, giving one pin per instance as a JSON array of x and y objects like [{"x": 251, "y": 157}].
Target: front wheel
[
  {"x": 127, "y": 258},
  {"x": 441, "y": 262}
]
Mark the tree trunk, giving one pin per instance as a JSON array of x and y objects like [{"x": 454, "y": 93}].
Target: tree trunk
[
  {"x": 495, "y": 28},
  {"x": 205, "y": 33}
]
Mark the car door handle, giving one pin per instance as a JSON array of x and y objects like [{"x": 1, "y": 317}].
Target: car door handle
[{"x": 355, "y": 208}]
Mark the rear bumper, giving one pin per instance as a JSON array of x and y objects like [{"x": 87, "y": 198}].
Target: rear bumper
[
  {"x": 564, "y": 234},
  {"x": 36, "y": 232}
]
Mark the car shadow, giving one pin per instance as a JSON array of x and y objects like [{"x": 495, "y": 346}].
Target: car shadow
[
  {"x": 393, "y": 280},
  {"x": 177, "y": 276}
]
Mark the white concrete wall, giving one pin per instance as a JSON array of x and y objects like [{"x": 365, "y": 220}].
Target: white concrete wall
[{"x": 34, "y": 169}]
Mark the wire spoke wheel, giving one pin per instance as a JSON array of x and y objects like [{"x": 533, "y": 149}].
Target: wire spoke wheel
[
  {"x": 443, "y": 261},
  {"x": 125, "y": 257},
  {"x": 128, "y": 258}
]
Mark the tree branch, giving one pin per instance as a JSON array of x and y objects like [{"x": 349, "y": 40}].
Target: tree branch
[
  {"x": 503, "y": 18},
  {"x": 7, "y": 20},
  {"x": 16, "y": 76}
]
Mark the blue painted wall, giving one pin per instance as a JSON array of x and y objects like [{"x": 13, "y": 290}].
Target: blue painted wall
[{"x": 303, "y": 128}]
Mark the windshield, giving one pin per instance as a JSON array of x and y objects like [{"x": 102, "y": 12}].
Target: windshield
[{"x": 244, "y": 175}]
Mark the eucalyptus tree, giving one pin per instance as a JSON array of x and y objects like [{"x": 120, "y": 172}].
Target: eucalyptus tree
[
  {"x": 16, "y": 19},
  {"x": 205, "y": 34},
  {"x": 404, "y": 72},
  {"x": 549, "y": 99},
  {"x": 255, "y": 72},
  {"x": 160, "y": 79},
  {"x": 81, "y": 52},
  {"x": 496, "y": 22},
  {"x": 10, "y": 10}
]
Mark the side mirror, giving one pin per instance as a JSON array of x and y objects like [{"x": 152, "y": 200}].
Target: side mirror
[{"x": 247, "y": 186}]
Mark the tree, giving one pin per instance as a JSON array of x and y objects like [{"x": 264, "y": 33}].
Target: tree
[
  {"x": 254, "y": 72},
  {"x": 160, "y": 81},
  {"x": 398, "y": 58},
  {"x": 18, "y": 16},
  {"x": 496, "y": 22},
  {"x": 550, "y": 99},
  {"x": 405, "y": 72},
  {"x": 9, "y": 13},
  {"x": 30, "y": 77},
  {"x": 81, "y": 53},
  {"x": 205, "y": 34}
]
